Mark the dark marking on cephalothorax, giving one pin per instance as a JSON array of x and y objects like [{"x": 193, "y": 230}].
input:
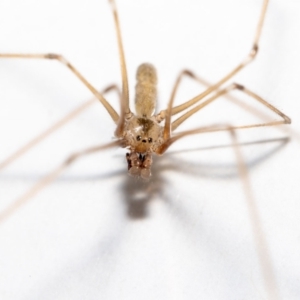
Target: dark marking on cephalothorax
[{"x": 146, "y": 124}]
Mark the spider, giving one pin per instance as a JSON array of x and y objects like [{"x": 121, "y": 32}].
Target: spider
[{"x": 146, "y": 132}]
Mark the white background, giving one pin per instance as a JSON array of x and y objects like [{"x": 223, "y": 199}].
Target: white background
[{"x": 97, "y": 233}]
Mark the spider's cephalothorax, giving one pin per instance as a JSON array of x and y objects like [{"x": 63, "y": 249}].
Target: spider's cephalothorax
[{"x": 142, "y": 133}]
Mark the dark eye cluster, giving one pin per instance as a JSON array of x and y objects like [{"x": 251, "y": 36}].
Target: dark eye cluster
[{"x": 138, "y": 138}]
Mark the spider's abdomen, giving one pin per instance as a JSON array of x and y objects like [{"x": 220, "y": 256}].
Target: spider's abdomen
[{"x": 145, "y": 90}]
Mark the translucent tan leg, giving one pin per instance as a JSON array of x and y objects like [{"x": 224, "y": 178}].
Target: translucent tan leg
[
  {"x": 50, "y": 178},
  {"x": 231, "y": 98},
  {"x": 176, "y": 123},
  {"x": 259, "y": 236},
  {"x": 114, "y": 115},
  {"x": 286, "y": 119},
  {"x": 125, "y": 110},
  {"x": 17, "y": 154},
  {"x": 166, "y": 114},
  {"x": 249, "y": 58}
]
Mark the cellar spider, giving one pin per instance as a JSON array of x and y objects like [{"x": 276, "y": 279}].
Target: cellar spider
[{"x": 158, "y": 74}]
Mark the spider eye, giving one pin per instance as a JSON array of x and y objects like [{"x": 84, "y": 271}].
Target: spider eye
[
  {"x": 138, "y": 137},
  {"x": 150, "y": 140}
]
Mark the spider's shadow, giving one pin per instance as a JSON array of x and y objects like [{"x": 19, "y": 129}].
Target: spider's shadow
[{"x": 138, "y": 194}]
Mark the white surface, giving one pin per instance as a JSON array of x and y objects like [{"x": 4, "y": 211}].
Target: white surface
[{"x": 85, "y": 236}]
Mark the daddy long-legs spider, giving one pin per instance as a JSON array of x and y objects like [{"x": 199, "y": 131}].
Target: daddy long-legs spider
[{"x": 111, "y": 258}]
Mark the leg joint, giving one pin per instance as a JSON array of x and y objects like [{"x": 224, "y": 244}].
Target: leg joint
[{"x": 53, "y": 56}]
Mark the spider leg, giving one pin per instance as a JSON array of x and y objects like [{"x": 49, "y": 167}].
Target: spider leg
[
  {"x": 235, "y": 86},
  {"x": 42, "y": 183},
  {"x": 166, "y": 114},
  {"x": 125, "y": 110},
  {"x": 62, "y": 60},
  {"x": 261, "y": 244},
  {"x": 249, "y": 58},
  {"x": 63, "y": 121}
]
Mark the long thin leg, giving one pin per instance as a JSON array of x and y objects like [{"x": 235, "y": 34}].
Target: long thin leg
[
  {"x": 166, "y": 114},
  {"x": 249, "y": 58},
  {"x": 125, "y": 110},
  {"x": 114, "y": 115},
  {"x": 167, "y": 143},
  {"x": 286, "y": 119},
  {"x": 17, "y": 154},
  {"x": 259, "y": 236},
  {"x": 50, "y": 178},
  {"x": 162, "y": 115}
]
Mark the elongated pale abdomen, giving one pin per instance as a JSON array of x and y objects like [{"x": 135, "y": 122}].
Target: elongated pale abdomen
[{"x": 145, "y": 90}]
